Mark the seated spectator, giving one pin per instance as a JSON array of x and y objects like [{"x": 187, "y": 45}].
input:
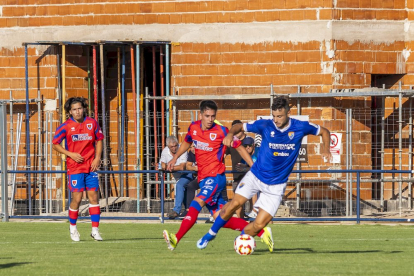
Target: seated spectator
[
  {"x": 192, "y": 186},
  {"x": 182, "y": 178}
]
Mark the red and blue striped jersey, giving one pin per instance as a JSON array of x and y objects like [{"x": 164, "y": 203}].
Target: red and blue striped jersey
[
  {"x": 209, "y": 149},
  {"x": 80, "y": 138}
]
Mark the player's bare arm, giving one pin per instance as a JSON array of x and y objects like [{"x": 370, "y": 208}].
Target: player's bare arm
[
  {"x": 245, "y": 155},
  {"x": 73, "y": 155},
  {"x": 180, "y": 167},
  {"x": 326, "y": 136},
  {"x": 190, "y": 167},
  {"x": 183, "y": 148},
  {"x": 228, "y": 140},
  {"x": 97, "y": 161}
]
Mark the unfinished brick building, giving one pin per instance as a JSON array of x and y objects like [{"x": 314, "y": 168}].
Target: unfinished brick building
[{"x": 230, "y": 51}]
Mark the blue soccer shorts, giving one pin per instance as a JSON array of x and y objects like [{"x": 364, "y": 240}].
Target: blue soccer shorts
[
  {"x": 83, "y": 181},
  {"x": 210, "y": 192}
]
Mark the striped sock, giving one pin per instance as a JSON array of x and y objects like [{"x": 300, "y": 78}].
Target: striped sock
[
  {"x": 73, "y": 216},
  {"x": 218, "y": 223},
  {"x": 95, "y": 212}
]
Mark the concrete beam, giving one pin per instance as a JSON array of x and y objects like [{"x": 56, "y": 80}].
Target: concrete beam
[{"x": 250, "y": 33}]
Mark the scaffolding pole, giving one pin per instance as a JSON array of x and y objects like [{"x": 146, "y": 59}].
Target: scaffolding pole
[
  {"x": 3, "y": 150},
  {"x": 95, "y": 84},
  {"x": 64, "y": 119},
  {"x": 410, "y": 151},
  {"x": 147, "y": 143},
  {"x": 27, "y": 119},
  {"x": 167, "y": 85},
  {"x": 103, "y": 106},
  {"x": 400, "y": 121},
  {"x": 154, "y": 93},
  {"x": 39, "y": 151},
  {"x": 137, "y": 122},
  {"x": 298, "y": 176},
  {"x": 122, "y": 121}
]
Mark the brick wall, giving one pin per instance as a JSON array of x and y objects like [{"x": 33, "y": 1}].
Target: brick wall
[{"x": 246, "y": 66}]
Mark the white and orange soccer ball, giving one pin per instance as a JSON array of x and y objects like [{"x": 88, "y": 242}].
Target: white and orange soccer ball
[{"x": 244, "y": 244}]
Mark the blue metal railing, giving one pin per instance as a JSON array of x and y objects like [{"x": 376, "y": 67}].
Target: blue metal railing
[{"x": 356, "y": 219}]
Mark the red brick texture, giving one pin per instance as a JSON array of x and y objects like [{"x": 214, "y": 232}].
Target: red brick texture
[{"x": 50, "y": 13}]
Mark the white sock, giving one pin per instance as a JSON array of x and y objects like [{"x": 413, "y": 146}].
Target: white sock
[
  {"x": 95, "y": 229},
  {"x": 72, "y": 228}
]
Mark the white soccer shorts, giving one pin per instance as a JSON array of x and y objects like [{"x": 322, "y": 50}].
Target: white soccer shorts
[{"x": 270, "y": 195}]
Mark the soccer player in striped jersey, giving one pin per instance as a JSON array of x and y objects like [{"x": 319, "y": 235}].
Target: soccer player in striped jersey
[
  {"x": 83, "y": 156},
  {"x": 207, "y": 137},
  {"x": 281, "y": 141}
]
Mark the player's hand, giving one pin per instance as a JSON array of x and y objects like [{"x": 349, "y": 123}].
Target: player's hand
[
  {"x": 228, "y": 140},
  {"x": 327, "y": 157},
  {"x": 76, "y": 157},
  {"x": 195, "y": 168},
  {"x": 95, "y": 164},
  {"x": 170, "y": 165}
]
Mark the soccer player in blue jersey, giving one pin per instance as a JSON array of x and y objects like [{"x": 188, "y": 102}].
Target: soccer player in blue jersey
[
  {"x": 281, "y": 141},
  {"x": 207, "y": 138}
]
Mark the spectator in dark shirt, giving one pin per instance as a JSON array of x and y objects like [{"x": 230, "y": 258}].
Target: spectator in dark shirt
[{"x": 236, "y": 159}]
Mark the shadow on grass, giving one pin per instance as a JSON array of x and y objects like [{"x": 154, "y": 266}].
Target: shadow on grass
[
  {"x": 135, "y": 239},
  {"x": 9, "y": 265},
  {"x": 310, "y": 250}
]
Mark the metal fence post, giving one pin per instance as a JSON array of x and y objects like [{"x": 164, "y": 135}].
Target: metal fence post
[
  {"x": 347, "y": 164},
  {"x": 3, "y": 150},
  {"x": 400, "y": 121},
  {"x": 298, "y": 165},
  {"x": 161, "y": 173},
  {"x": 358, "y": 213},
  {"x": 147, "y": 153},
  {"x": 350, "y": 162},
  {"x": 382, "y": 152}
]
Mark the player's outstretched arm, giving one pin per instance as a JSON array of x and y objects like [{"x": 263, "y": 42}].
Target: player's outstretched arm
[
  {"x": 75, "y": 156},
  {"x": 326, "y": 140},
  {"x": 245, "y": 155},
  {"x": 98, "y": 152},
  {"x": 235, "y": 129},
  {"x": 183, "y": 148}
]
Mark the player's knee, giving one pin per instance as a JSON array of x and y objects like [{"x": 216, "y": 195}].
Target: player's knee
[{"x": 234, "y": 205}]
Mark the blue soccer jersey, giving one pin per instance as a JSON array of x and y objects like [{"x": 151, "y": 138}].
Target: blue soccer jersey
[{"x": 279, "y": 149}]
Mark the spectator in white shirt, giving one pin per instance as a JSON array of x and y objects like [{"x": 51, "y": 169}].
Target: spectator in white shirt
[{"x": 182, "y": 178}]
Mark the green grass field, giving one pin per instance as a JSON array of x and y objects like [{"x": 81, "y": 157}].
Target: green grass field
[{"x": 139, "y": 249}]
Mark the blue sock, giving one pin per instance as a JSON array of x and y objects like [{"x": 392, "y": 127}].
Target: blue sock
[
  {"x": 218, "y": 224},
  {"x": 196, "y": 205}
]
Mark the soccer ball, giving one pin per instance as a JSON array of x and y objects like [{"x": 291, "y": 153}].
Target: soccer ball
[{"x": 244, "y": 244}]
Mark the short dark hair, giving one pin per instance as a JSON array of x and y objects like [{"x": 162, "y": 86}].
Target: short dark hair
[
  {"x": 73, "y": 100},
  {"x": 236, "y": 122},
  {"x": 208, "y": 104},
  {"x": 280, "y": 103}
]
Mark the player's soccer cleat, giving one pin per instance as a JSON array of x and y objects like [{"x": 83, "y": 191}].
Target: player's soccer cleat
[
  {"x": 171, "y": 240},
  {"x": 267, "y": 238},
  {"x": 210, "y": 219},
  {"x": 203, "y": 242},
  {"x": 96, "y": 235},
  {"x": 74, "y": 235}
]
